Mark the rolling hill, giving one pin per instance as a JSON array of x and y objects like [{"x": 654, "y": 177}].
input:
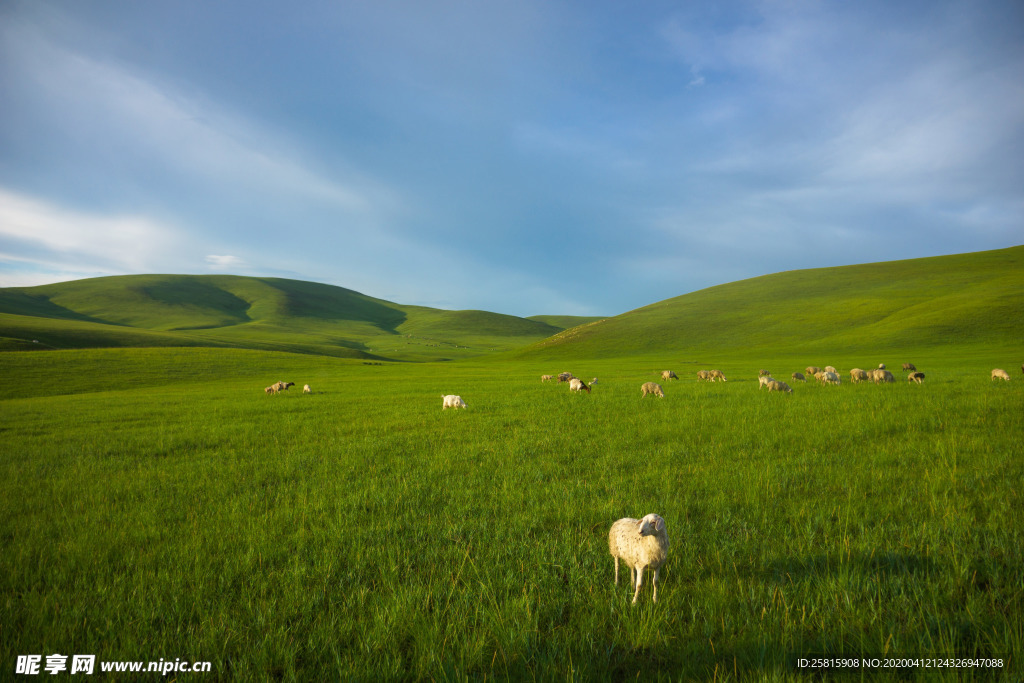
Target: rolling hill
[
  {"x": 973, "y": 300},
  {"x": 247, "y": 312},
  {"x": 964, "y": 300}
]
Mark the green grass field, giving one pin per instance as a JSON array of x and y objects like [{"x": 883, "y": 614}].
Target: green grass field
[{"x": 156, "y": 504}]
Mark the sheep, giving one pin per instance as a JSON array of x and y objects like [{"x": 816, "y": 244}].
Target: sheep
[
  {"x": 651, "y": 388},
  {"x": 825, "y": 377},
  {"x": 640, "y": 543},
  {"x": 564, "y": 377},
  {"x": 999, "y": 373},
  {"x": 916, "y": 377},
  {"x": 763, "y": 380},
  {"x": 881, "y": 366},
  {"x": 812, "y": 370},
  {"x": 272, "y": 389},
  {"x": 281, "y": 386},
  {"x": 546, "y": 378},
  {"x": 858, "y": 375},
  {"x": 452, "y": 401},
  {"x": 798, "y": 377},
  {"x": 716, "y": 375},
  {"x": 763, "y": 373},
  {"x": 909, "y": 367},
  {"x": 576, "y": 384},
  {"x": 776, "y": 385},
  {"x": 593, "y": 381},
  {"x": 668, "y": 374},
  {"x": 306, "y": 389},
  {"x": 703, "y": 375},
  {"x": 829, "y": 368},
  {"x": 880, "y": 375}
]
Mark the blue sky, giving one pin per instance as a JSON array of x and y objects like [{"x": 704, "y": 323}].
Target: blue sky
[{"x": 522, "y": 157}]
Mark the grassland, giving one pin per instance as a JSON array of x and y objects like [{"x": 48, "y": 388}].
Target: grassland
[
  {"x": 270, "y": 314},
  {"x": 156, "y": 504}
]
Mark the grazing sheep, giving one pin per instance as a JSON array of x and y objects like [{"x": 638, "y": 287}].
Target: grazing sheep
[
  {"x": 763, "y": 380},
  {"x": 668, "y": 374},
  {"x": 858, "y": 375},
  {"x": 880, "y": 375},
  {"x": 716, "y": 375},
  {"x": 881, "y": 366},
  {"x": 999, "y": 373},
  {"x": 704, "y": 376},
  {"x": 916, "y": 377},
  {"x": 812, "y": 370},
  {"x": 825, "y": 377},
  {"x": 651, "y": 388},
  {"x": 452, "y": 401},
  {"x": 776, "y": 385},
  {"x": 640, "y": 543},
  {"x": 829, "y": 368},
  {"x": 593, "y": 381},
  {"x": 546, "y": 378},
  {"x": 576, "y": 384},
  {"x": 798, "y": 377},
  {"x": 908, "y": 367},
  {"x": 272, "y": 389},
  {"x": 763, "y": 373},
  {"x": 306, "y": 389},
  {"x": 564, "y": 377},
  {"x": 281, "y": 386}
]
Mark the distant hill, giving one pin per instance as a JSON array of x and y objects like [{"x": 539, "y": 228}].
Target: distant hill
[
  {"x": 965, "y": 300},
  {"x": 247, "y": 312}
]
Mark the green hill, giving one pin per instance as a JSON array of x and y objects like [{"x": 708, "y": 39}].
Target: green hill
[
  {"x": 966, "y": 300},
  {"x": 245, "y": 312}
]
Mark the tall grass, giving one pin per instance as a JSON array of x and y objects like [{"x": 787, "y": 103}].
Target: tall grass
[{"x": 363, "y": 533}]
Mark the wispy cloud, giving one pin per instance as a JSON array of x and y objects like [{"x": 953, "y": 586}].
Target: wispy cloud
[{"x": 36, "y": 233}]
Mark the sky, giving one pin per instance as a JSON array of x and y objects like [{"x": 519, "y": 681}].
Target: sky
[{"x": 519, "y": 156}]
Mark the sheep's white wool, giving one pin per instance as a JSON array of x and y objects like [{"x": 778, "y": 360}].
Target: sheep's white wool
[
  {"x": 640, "y": 543},
  {"x": 452, "y": 401}
]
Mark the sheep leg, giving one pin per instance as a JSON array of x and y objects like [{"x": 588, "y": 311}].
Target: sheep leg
[
  {"x": 656, "y": 572},
  {"x": 616, "y": 571},
  {"x": 639, "y": 581}
]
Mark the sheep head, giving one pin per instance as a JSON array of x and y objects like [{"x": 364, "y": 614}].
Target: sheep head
[{"x": 651, "y": 524}]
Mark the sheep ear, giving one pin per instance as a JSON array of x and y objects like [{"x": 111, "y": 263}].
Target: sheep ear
[{"x": 659, "y": 524}]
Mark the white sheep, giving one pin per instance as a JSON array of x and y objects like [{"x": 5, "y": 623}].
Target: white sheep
[
  {"x": 812, "y": 370},
  {"x": 651, "y": 388},
  {"x": 916, "y": 376},
  {"x": 879, "y": 375},
  {"x": 762, "y": 381},
  {"x": 858, "y": 375},
  {"x": 546, "y": 378},
  {"x": 829, "y": 368},
  {"x": 668, "y": 374},
  {"x": 576, "y": 384},
  {"x": 703, "y": 375},
  {"x": 272, "y": 389},
  {"x": 306, "y": 389},
  {"x": 452, "y": 401},
  {"x": 798, "y": 377},
  {"x": 776, "y": 385},
  {"x": 640, "y": 543},
  {"x": 999, "y": 373},
  {"x": 717, "y": 375}
]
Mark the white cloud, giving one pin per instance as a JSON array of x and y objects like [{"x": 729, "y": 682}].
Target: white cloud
[
  {"x": 57, "y": 239},
  {"x": 224, "y": 262}
]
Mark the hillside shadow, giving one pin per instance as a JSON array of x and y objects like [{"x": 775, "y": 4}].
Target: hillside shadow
[
  {"x": 40, "y": 306},
  {"x": 331, "y": 303}
]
